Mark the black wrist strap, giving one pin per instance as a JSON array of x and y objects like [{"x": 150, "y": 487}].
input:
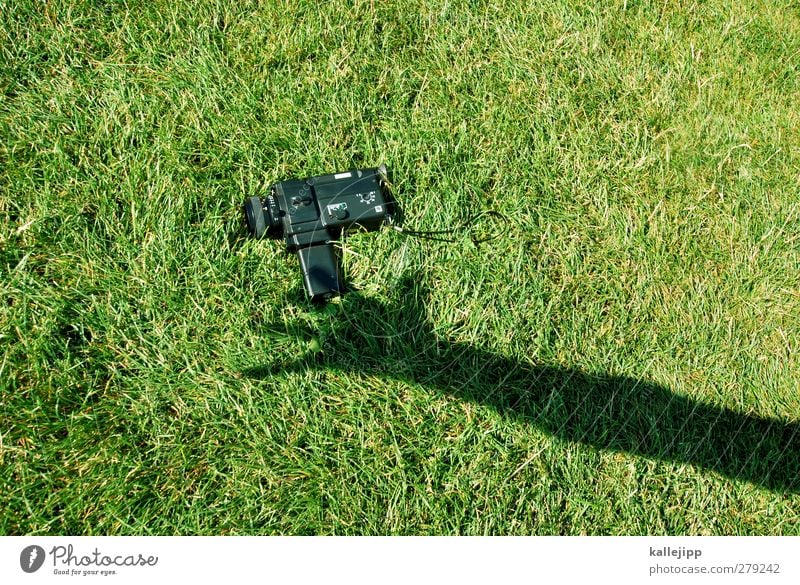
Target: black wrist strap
[{"x": 467, "y": 225}]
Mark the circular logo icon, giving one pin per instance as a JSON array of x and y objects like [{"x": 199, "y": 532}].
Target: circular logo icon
[{"x": 31, "y": 558}]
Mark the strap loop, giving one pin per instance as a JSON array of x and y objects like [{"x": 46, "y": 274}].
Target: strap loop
[{"x": 468, "y": 225}]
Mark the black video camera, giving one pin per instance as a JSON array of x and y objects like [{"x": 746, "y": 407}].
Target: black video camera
[{"x": 312, "y": 213}]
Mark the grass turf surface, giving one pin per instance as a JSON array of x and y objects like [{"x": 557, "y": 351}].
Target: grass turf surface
[{"x": 623, "y": 360}]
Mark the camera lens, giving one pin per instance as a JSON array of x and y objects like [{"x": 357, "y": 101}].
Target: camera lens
[
  {"x": 254, "y": 213},
  {"x": 262, "y": 216}
]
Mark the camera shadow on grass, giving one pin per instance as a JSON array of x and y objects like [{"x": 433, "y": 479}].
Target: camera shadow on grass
[{"x": 613, "y": 413}]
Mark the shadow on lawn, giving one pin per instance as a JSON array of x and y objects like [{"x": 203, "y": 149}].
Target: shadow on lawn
[{"x": 613, "y": 413}]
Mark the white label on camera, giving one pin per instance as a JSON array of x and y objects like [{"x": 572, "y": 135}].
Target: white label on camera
[
  {"x": 379, "y": 209},
  {"x": 342, "y": 175}
]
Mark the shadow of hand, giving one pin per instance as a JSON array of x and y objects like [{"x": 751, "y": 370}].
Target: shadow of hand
[{"x": 607, "y": 412}]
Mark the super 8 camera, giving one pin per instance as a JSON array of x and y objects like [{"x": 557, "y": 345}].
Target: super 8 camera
[{"x": 312, "y": 213}]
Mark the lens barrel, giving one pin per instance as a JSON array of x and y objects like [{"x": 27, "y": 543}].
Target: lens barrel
[
  {"x": 262, "y": 217},
  {"x": 254, "y": 213}
]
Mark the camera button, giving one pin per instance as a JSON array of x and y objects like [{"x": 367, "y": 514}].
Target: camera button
[{"x": 338, "y": 211}]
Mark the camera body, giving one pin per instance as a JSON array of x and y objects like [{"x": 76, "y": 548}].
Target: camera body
[{"x": 310, "y": 214}]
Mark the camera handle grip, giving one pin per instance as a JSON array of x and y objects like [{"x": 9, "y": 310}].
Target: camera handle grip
[{"x": 321, "y": 274}]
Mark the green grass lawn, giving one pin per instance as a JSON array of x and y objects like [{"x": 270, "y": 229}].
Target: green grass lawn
[{"x": 622, "y": 359}]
